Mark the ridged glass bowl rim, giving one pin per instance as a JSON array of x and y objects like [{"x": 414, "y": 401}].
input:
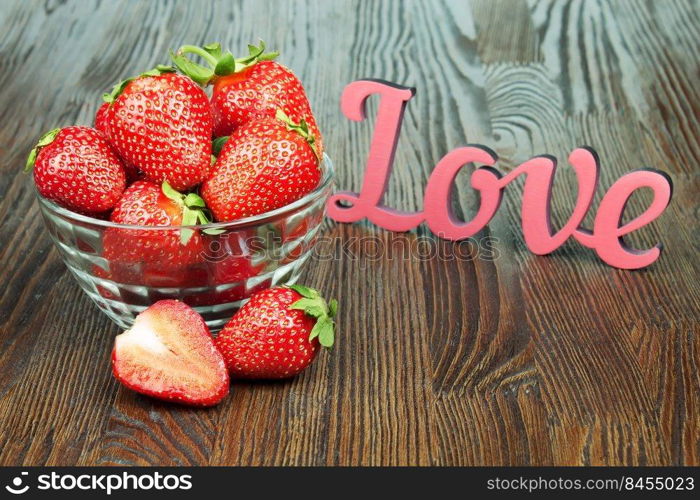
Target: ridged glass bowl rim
[{"x": 255, "y": 220}]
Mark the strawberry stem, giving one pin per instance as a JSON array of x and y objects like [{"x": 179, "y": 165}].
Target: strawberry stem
[
  {"x": 219, "y": 63},
  {"x": 193, "y": 49},
  {"x": 315, "y": 306}
]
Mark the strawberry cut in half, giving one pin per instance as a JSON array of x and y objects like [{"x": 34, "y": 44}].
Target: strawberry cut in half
[{"x": 169, "y": 354}]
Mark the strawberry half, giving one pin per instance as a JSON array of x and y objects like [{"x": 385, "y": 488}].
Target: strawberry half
[
  {"x": 277, "y": 333},
  {"x": 160, "y": 122},
  {"x": 78, "y": 169},
  {"x": 265, "y": 164},
  {"x": 169, "y": 354},
  {"x": 247, "y": 88}
]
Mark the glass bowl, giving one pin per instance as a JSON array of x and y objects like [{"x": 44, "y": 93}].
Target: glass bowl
[{"x": 126, "y": 268}]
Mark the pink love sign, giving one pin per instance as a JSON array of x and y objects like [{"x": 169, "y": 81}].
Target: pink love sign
[{"x": 606, "y": 237}]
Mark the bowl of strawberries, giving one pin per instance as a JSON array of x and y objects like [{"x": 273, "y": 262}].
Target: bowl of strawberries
[{"x": 203, "y": 182}]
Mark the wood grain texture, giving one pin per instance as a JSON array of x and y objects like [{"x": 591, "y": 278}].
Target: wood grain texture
[{"x": 462, "y": 356}]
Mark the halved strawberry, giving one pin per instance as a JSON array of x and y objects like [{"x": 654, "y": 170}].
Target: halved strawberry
[{"x": 169, "y": 354}]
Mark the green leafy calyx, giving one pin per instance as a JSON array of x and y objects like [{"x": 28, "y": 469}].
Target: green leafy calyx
[
  {"x": 44, "y": 140},
  {"x": 194, "y": 210},
  {"x": 301, "y": 128},
  {"x": 110, "y": 97},
  {"x": 315, "y": 306},
  {"x": 218, "y": 62},
  {"x": 218, "y": 144}
]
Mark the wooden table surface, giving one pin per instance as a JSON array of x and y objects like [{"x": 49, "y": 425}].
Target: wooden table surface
[{"x": 466, "y": 357}]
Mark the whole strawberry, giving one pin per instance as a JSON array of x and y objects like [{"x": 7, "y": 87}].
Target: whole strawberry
[
  {"x": 78, "y": 169},
  {"x": 277, "y": 333},
  {"x": 158, "y": 257},
  {"x": 169, "y": 354},
  {"x": 231, "y": 265},
  {"x": 265, "y": 164},
  {"x": 101, "y": 118},
  {"x": 160, "y": 122},
  {"x": 132, "y": 173},
  {"x": 247, "y": 88}
]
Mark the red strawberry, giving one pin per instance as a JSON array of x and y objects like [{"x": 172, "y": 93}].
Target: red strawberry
[
  {"x": 248, "y": 88},
  {"x": 161, "y": 123},
  {"x": 277, "y": 333},
  {"x": 158, "y": 257},
  {"x": 266, "y": 164},
  {"x": 230, "y": 266},
  {"x": 105, "y": 292},
  {"x": 169, "y": 354},
  {"x": 294, "y": 236},
  {"x": 101, "y": 118},
  {"x": 132, "y": 173},
  {"x": 78, "y": 169}
]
